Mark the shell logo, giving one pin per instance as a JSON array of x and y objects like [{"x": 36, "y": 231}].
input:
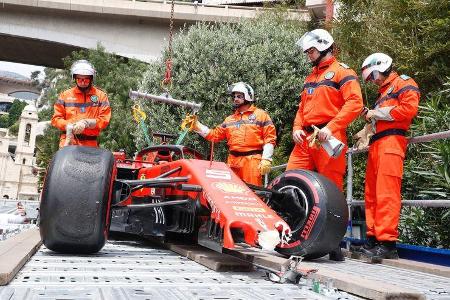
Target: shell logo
[{"x": 229, "y": 187}]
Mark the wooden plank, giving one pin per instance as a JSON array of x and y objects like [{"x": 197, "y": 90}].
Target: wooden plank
[
  {"x": 213, "y": 260},
  {"x": 418, "y": 266},
  {"x": 407, "y": 264},
  {"x": 371, "y": 289},
  {"x": 354, "y": 284},
  {"x": 15, "y": 252}
]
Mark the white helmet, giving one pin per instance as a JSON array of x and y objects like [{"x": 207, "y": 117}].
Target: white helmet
[
  {"x": 82, "y": 67},
  {"x": 379, "y": 62},
  {"x": 317, "y": 38},
  {"x": 242, "y": 87}
]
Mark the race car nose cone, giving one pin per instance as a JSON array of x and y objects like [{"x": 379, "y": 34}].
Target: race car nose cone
[{"x": 269, "y": 239}]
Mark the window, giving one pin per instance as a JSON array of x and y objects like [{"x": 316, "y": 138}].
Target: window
[{"x": 27, "y": 134}]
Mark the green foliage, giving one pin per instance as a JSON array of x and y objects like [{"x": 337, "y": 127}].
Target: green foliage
[
  {"x": 209, "y": 57},
  {"x": 13, "y": 115},
  {"x": 4, "y": 121},
  {"x": 426, "y": 175},
  {"x": 10, "y": 120},
  {"x": 414, "y": 32}
]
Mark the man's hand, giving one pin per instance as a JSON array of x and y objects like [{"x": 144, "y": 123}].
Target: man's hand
[
  {"x": 298, "y": 135},
  {"x": 79, "y": 126},
  {"x": 264, "y": 166},
  {"x": 370, "y": 114},
  {"x": 190, "y": 123},
  {"x": 324, "y": 134},
  {"x": 380, "y": 113}
]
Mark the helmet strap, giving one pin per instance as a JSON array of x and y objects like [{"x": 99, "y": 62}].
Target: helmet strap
[
  {"x": 387, "y": 72},
  {"x": 323, "y": 53},
  {"x": 236, "y": 106}
]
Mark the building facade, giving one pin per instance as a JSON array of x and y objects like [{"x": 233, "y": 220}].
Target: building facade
[{"x": 17, "y": 159}]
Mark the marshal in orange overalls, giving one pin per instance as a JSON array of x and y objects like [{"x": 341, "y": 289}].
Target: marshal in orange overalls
[
  {"x": 246, "y": 134},
  {"x": 331, "y": 97},
  {"x": 386, "y": 154},
  {"x": 74, "y": 105}
]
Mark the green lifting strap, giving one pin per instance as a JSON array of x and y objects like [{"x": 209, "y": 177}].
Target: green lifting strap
[{"x": 140, "y": 116}]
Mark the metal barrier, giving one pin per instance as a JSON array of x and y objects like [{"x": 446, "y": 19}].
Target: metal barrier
[{"x": 349, "y": 197}]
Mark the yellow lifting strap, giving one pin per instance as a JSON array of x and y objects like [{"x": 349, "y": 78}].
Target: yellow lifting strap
[
  {"x": 186, "y": 126},
  {"x": 138, "y": 114}
]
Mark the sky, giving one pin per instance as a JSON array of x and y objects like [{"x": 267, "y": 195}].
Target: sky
[{"x": 21, "y": 69}]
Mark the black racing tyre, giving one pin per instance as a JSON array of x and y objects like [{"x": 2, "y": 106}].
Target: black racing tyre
[
  {"x": 314, "y": 208},
  {"x": 75, "y": 202}
]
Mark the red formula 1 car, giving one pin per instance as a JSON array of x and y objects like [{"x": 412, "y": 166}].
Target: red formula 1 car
[{"x": 170, "y": 192}]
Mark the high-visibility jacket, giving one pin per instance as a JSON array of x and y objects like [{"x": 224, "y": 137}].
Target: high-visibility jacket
[
  {"x": 246, "y": 134},
  {"x": 246, "y": 131},
  {"x": 384, "y": 170},
  {"x": 74, "y": 105},
  {"x": 331, "y": 97},
  {"x": 403, "y": 93}
]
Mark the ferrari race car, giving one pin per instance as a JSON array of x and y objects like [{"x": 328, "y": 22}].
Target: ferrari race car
[{"x": 170, "y": 192}]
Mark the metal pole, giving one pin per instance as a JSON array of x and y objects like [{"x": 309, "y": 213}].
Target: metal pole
[
  {"x": 349, "y": 198},
  {"x": 192, "y": 105},
  {"x": 416, "y": 203}
]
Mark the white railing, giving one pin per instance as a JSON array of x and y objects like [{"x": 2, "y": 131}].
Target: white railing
[{"x": 351, "y": 152}]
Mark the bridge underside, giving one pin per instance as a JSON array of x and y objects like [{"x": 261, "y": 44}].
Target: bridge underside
[
  {"x": 33, "y": 51},
  {"x": 43, "y": 32}
]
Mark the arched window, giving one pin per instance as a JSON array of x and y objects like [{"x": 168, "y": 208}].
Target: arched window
[
  {"x": 27, "y": 134},
  {"x": 24, "y": 161}
]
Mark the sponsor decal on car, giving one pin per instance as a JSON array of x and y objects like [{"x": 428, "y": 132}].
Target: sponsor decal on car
[
  {"x": 253, "y": 215},
  {"x": 252, "y": 209},
  {"x": 310, "y": 223},
  {"x": 241, "y": 198},
  {"x": 218, "y": 174},
  {"x": 234, "y": 202},
  {"x": 229, "y": 187}
]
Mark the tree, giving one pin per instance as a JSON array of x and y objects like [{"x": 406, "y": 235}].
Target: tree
[
  {"x": 207, "y": 58},
  {"x": 414, "y": 32}
]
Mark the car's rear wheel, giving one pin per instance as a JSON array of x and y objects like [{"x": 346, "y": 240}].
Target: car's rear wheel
[
  {"x": 314, "y": 208},
  {"x": 74, "y": 210}
]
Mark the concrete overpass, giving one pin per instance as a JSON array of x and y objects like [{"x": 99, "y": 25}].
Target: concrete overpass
[
  {"x": 42, "y": 32},
  {"x": 9, "y": 85}
]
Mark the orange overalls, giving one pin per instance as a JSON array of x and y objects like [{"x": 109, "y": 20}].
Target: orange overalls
[
  {"x": 386, "y": 154},
  {"x": 246, "y": 134},
  {"x": 331, "y": 97},
  {"x": 74, "y": 105}
]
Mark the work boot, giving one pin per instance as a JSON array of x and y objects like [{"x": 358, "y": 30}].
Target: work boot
[
  {"x": 369, "y": 244},
  {"x": 384, "y": 250},
  {"x": 336, "y": 255}
]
